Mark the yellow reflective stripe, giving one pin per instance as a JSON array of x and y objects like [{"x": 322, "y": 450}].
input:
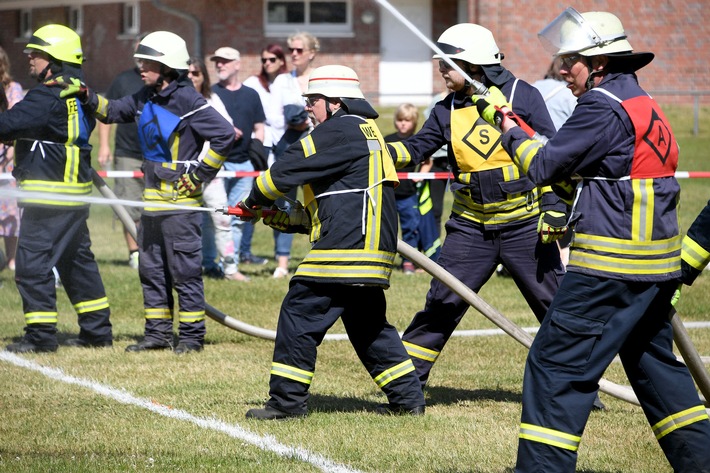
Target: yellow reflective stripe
[
  {"x": 374, "y": 202},
  {"x": 511, "y": 173},
  {"x": 213, "y": 159},
  {"x": 525, "y": 153},
  {"x": 158, "y": 313},
  {"x": 694, "y": 254},
  {"x": 512, "y": 210},
  {"x": 345, "y": 272},
  {"x": 432, "y": 249},
  {"x": 290, "y": 372},
  {"x": 189, "y": 317},
  {"x": 393, "y": 373},
  {"x": 642, "y": 210},
  {"x": 420, "y": 352},
  {"x": 41, "y": 318},
  {"x": 266, "y": 186},
  {"x": 101, "y": 107},
  {"x": 402, "y": 156},
  {"x": 668, "y": 246},
  {"x": 175, "y": 145},
  {"x": 56, "y": 187},
  {"x": 71, "y": 166},
  {"x": 375, "y": 256},
  {"x": 90, "y": 306},
  {"x": 621, "y": 265},
  {"x": 678, "y": 420},
  {"x": 556, "y": 438},
  {"x": 309, "y": 148}
]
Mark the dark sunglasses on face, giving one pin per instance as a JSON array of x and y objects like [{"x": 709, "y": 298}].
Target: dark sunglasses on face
[
  {"x": 272, "y": 60},
  {"x": 194, "y": 73},
  {"x": 296, "y": 50},
  {"x": 569, "y": 61}
]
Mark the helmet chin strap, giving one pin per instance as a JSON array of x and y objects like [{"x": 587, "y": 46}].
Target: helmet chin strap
[
  {"x": 589, "y": 84},
  {"x": 42, "y": 75}
]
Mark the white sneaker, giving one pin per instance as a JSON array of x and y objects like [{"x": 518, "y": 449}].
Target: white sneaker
[
  {"x": 280, "y": 273},
  {"x": 229, "y": 266}
]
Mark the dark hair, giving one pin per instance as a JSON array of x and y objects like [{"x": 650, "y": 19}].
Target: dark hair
[
  {"x": 206, "y": 91},
  {"x": 553, "y": 72},
  {"x": 277, "y": 51}
]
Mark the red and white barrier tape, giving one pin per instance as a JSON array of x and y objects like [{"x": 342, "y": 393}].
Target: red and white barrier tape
[{"x": 401, "y": 175}]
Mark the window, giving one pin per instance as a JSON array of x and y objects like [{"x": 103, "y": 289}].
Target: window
[
  {"x": 25, "y": 29},
  {"x": 131, "y": 18},
  {"x": 321, "y": 18},
  {"x": 76, "y": 19}
]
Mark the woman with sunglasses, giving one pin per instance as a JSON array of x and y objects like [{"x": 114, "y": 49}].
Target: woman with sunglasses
[
  {"x": 276, "y": 88},
  {"x": 216, "y": 229},
  {"x": 303, "y": 48}
]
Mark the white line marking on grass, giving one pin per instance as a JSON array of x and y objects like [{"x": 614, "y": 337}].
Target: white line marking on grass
[{"x": 264, "y": 442}]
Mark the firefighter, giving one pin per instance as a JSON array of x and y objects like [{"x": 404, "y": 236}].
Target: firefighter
[
  {"x": 695, "y": 252},
  {"x": 174, "y": 121},
  {"x": 497, "y": 212},
  {"x": 625, "y": 259},
  {"x": 52, "y": 154},
  {"x": 349, "y": 180}
]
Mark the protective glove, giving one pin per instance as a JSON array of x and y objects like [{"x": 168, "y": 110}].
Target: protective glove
[
  {"x": 489, "y": 107},
  {"x": 278, "y": 220},
  {"x": 251, "y": 214},
  {"x": 551, "y": 226},
  {"x": 74, "y": 87},
  {"x": 676, "y": 295},
  {"x": 188, "y": 184},
  {"x": 565, "y": 190}
]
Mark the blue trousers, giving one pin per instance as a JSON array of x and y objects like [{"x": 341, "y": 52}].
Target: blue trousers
[
  {"x": 591, "y": 320},
  {"x": 471, "y": 253}
]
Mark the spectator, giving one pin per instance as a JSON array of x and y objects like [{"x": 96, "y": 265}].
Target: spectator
[
  {"x": 9, "y": 214},
  {"x": 126, "y": 155},
  {"x": 54, "y": 233},
  {"x": 170, "y": 240},
  {"x": 304, "y": 48},
  {"x": 216, "y": 227},
  {"x": 244, "y": 106}
]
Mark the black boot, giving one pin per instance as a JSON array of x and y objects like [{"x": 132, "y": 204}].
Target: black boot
[
  {"x": 148, "y": 345},
  {"x": 395, "y": 410},
  {"x": 270, "y": 413},
  {"x": 183, "y": 348},
  {"x": 81, "y": 343},
  {"x": 25, "y": 346}
]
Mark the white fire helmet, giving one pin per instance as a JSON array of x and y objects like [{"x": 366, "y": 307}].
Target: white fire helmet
[
  {"x": 334, "y": 81},
  {"x": 469, "y": 42},
  {"x": 164, "y": 47}
]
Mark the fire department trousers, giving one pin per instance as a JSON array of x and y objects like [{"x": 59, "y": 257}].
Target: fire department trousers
[
  {"x": 59, "y": 237},
  {"x": 307, "y": 312},
  {"x": 591, "y": 320},
  {"x": 471, "y": 253},
  {"x": 171, "y": 257}
]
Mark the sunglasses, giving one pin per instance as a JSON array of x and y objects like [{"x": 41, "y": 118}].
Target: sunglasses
[
  {"x": 311, "y": 101},
  {"x": 296, "y": 50},
  {"x": 272, "y": 60},
  {"x": 445, "y": 65},
  {"x": 194, "y": 73},
  {"x": 569, "y": 61}
]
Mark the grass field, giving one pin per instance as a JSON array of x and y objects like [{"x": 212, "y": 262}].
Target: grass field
[{"x": 103, "y": 410}]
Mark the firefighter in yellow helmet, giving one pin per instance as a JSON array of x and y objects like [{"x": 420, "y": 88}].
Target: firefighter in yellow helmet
[
  {"x": 625, "y": 259},
  {"x": 349, "y": 180},
  {"x": 51, "y": 130}
]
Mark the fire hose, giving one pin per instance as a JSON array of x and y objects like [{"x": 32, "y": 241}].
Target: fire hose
[{"x": 685, "y": 345}]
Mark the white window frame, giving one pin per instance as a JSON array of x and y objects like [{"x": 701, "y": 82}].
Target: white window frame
[
  {"x": 316, "y": 29},
  {"x": 131, "y": 18},
  {"x": 25, "y": 26},
  {"x": 76, "y": 19}
]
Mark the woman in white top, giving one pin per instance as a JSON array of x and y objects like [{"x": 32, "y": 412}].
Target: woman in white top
[
  {"x": 216, "y": 229},
  {"x": 303, "y": 48}
]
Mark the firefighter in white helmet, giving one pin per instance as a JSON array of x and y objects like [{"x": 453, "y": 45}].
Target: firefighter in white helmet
[
  {"x": 348, "y": 178},
  {"x": 174, "y": 121},
  {"x": 497, "y": 211},
  {"x": 625, "y": 260}
]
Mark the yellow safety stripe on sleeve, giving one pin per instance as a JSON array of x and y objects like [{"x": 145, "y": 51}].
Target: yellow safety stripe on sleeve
[
  {"x": 678, "y": 420},
  {"x": 420, "y": 352},
  {"x": 393, "y": 373},
  {"x": 402, "y": 156},
  {"x": 525, "y": 153},
  {"x": 555, "y": 438},
  {"x": 213, "y": 159},
  {"x": 41, "y": 318},
  {"x": 102, "y": 107},
  {"x": 189, "y": 317},
  {"x": 434, "y": 246},
  {"x": 642, "y": 213},
  {"x": 266, "y": 186},
  {"x": 71, "y": 166},
  {"x": 694, "y": 254},
  {"x": 158, "y": 313},
  {"x": 309, "y": 148},
  {"x": 290, "y": 372},
  {"x": 90, "y": 306}
]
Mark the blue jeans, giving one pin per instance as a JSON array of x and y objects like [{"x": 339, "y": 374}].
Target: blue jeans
[
  {"x": 408, "y": 210},
  {"x": 238, "y": 189}
]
